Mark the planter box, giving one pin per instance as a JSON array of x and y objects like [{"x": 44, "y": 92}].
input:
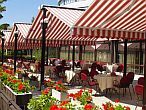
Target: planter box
[
  {"x": 20, "y": 99},
  {"x": 61, "y": 96}
]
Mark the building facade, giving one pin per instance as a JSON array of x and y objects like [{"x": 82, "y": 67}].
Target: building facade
[{"x": 75, "y": 3}]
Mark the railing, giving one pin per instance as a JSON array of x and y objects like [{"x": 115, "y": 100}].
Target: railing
[
  {"x": 64, "y": 2},
  {"x": 6, "y": 103}
]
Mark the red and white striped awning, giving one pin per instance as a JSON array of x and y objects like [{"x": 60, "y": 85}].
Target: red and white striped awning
[
  {"x": 7, "y": 34},
  {"x": 60, "y": 21},
  {"x": 22, "y": 29},
  {"x": 124, "y": 19}
]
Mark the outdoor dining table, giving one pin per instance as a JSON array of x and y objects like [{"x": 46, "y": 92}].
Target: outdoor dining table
[
  {"x": 50, "y": 71},
  {"x": 106, "y": 81},
  {"x": 70, "y": 74}
]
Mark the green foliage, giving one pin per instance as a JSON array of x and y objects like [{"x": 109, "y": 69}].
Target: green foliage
[
  {"x": 4, "y": 26},
  {"x": 2, "y": 8},
  {"x": 42, "y": 102},
  {"x": 37, "y": 54}
]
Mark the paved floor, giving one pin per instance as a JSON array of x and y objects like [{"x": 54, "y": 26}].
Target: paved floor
[{"x": 110, "y": 96}]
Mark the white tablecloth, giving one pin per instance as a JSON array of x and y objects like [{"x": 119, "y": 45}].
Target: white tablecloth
[
  {"x": 106, "y": 81},
  {"x": 70, "y": 75}
]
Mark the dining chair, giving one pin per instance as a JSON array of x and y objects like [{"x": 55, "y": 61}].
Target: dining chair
[
  {"x": 99, "y": 67},
  {"x": 93, "y": 72},
  {"x": 123, "y": 84},
  {"x": 141, "y": 81},
  {"x": 130, "y": 76},
  {"x": 139, "y": 89},
  {"x": 86, "y": 80},
  {"x": 120, "y": 68}
]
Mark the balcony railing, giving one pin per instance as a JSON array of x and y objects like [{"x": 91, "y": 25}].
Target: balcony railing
[{"x": 64, "y": 2}]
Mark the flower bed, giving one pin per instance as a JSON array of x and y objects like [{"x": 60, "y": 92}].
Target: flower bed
[
  {"x": 83, "y": 98},
  {"x": 16, "y": 89}
]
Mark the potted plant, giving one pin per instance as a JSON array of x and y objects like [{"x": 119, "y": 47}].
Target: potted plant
[
  {"x": 59, "y": 91},
  {"x": 15, "y": 89},
  {"x": 114, "y": 106},
  {"x": 83, "y": 96}
]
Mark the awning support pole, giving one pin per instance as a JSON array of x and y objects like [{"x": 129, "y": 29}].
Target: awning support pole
[{"x": 125, "y": 57}]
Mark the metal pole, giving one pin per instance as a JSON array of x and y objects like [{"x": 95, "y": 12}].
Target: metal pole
[
  {"x": 141, "y": 57},
  {"x": 3, "y": 40},
  {"x": 73, "y": 58},
  {"x": 68, "y": 52},
  {"x": 31, "y": 53},
  {"x": 80, "y": 52},
  {"x": 47, "y": 55},
  {"x": 125, "y": 57},
  {"x": 44, "y": 26},
  {"x": 95, "y": 54},
  {"x": 116, "y": 52},
  {"x": 15, "y": 51},
  {"x": 113, "y": 52},
  {"x": 144, "y": 96}
]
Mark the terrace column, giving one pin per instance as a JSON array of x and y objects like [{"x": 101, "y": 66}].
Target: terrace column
[
  {"x": 144, "y": 96},
  {"x": 141, "y": 56},
  {"x": 3, "y": 40},
  {"x": 73, "y": 57},
  {"x": 47, "y": 55},
  {"x": 125, "y": 57},
  {"x": 31, "y": 53},
  {"x": 95, "y": 54},
  {"x": 80, "y": 52},
  {"x": 15, "y": 50},
  {"x": 68, "y": 52},
  {"x": 58, "y": 53},
  {"x": 43, "y": 26},
  {"x": 116, "y": 52},
  {"x": 112, "y": 51}
]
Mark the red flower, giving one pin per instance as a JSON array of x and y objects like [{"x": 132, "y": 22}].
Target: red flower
[
  {"x": 64, "y": 103},
  {"x": 59, "y": 82},
  {"x": 20, "y": 87},
  {"x": 1, "y": 74},
  {"x": 54, "y": 107},
  {"x": 90, "y": 90},
  {"x": 117, "y": 101},
  {"x": 88, "y": 107},
  {"x": 111, "y": 108},
  {"x": 105, "y": 106},
  {"x": 61, "y": 108},
  {"x": 46, "y": 91},
  {"x": 127, "y": 108}
]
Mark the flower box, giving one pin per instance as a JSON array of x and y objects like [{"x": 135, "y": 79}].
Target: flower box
[
  {"x": 20, "y": 99},
  {"x": 61, "y": 96}
]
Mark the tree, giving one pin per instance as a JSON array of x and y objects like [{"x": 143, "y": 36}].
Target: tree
[
  {"x": 2, "y": 8},
  {"x": 4, "y": 26}
]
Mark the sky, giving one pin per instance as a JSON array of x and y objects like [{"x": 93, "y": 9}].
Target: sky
[{"x": 22, "y": 10}]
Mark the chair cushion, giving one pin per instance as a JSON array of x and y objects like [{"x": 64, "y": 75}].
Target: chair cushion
[
  {"x": 139, "y": 89},
  {"x": 141, "y": 81},
  {"x": 92, "y": 83}
]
